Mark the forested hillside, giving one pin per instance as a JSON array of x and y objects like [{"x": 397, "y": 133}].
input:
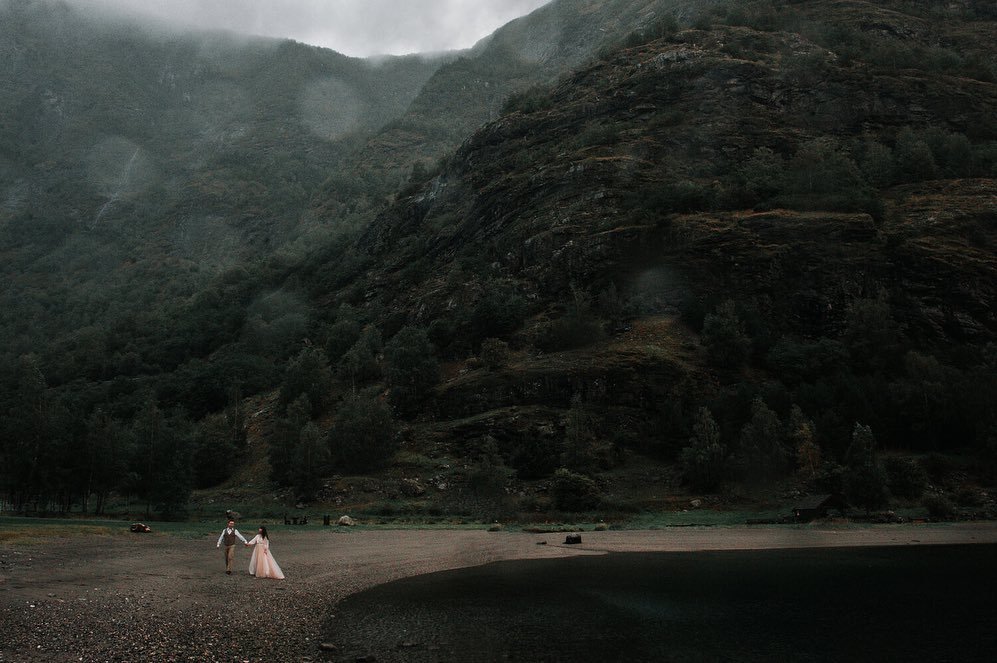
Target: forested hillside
[
  {"x": 160, "y": 190},
  {"x": 619, "y": 251}
]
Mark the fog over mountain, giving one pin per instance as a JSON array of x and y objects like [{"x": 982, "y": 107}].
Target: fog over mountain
[{"x": 353, "y": 27}]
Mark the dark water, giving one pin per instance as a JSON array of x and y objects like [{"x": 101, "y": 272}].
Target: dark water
[{"x": 916, "y": 603}]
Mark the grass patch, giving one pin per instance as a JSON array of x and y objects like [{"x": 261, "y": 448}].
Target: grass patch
[{"x": 698, "y": 517}]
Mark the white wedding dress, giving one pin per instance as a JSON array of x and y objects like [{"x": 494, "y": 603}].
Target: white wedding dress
[{"x": 262, "y": 564}]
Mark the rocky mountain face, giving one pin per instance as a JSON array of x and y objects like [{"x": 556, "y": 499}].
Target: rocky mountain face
[
  {"x": 737, "y": 160},
  {"x": 139, "y": 167},
  {"x": 612, "y": 229}
]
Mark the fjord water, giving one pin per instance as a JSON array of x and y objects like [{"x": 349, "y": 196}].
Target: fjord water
[{"x": 916, "y": 603}]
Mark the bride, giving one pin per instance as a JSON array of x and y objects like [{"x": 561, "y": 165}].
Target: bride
[{"x": 262, "y": 564}]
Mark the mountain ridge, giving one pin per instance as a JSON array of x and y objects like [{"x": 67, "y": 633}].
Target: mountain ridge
[{"x": 761, "y": 219}]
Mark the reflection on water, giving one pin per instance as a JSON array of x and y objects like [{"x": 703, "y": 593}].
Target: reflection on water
[{"x": 873, "y": 604}]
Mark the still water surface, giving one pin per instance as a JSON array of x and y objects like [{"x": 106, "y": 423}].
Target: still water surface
[{"x": 918, "y": 603}]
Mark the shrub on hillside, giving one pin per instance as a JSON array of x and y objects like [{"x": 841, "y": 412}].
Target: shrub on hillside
[
  {"x": 939, "y": 506},
  {"x": 494, "y": 353},
  {"x": 906, "y": 478},
  {"x": 865, "y": 487},
  {"x": 574, "y": 492},
  {"x": 533, "y": 100},
  {"x": 499, "y": 312},
  {"x": 536, "y": 457}
]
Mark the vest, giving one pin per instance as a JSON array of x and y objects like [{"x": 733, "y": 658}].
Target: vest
[{"x": 229, "y": 539}]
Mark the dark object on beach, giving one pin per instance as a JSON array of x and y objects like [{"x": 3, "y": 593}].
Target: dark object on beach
[
  {"x": 326, "y": 519},
  {"x": 140, "y": 528},
  {"x": 303, "y": 520},
  {"x": 573, "y": 538},
  {"x": 818, "y": 506}
]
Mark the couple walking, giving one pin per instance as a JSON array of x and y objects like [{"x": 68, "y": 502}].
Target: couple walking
[{"x": 261, "y": 564}]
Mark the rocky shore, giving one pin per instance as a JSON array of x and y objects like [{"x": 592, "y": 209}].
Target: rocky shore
[{"x": 164, "y": 598}]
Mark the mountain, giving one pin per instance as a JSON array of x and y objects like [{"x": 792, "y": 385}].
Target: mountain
[
  {"x": 137, "y": 165},
  {"x": 615, "y": 245},
  {"x": 785, "y": 213},
  {"x": 532, "y": 50}
]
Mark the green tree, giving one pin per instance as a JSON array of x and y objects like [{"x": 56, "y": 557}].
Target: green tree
[
  {"x": 411, "y": 367},
  {"x": 215, "y": 452},
  {"x": 878, "y": 164},
  {"x": 865, "y": 480},
  {"x": 494, "y": 353},
  {"x": 802, "y": 437},
  {"x": 311, "y": 461},
  {"x": 536, "y": 457},
  {"x": 487, "y": 479},
  {"x": 763, "y": 175},
  {"x": 723, "y": 334},
  {"x": 105, "y": 460},
  {"x": 363, "y": 434},
  {"x": 871, "y": 335},
  {"x": 343, "y": 333},
  {"x": 162, "y": 460},
  {"x": 915, "y": 161},
  {"x": 953, "y": 153},
  {"x": 704, "y": 461},
  {"x": 821, "y": 166},
  {"x": 906, "y": 478},
  {"x": 578, "y": 327},
  {"x": 574, "y": 492},
  {"x": 763, "y": 453},
  {"x": 308, "y": 374},
  {"x": 359, "y": 364},
  {"x": 862, "y": 449},
  {"x": 32, "y": 436},
  {"x": 579, "y": 453},
  {"x": 275, "y": 324},
  {"x": 500, "y": 311},
  {"x": 284, "y": 442}
]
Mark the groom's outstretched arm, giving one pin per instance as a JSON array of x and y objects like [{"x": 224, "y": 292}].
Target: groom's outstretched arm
[{"x": 241, "y": 536}]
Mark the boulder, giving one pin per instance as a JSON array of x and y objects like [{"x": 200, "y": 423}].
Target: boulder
[
  {"x": 346, "y": 521},
  {"x": 411, "y": 488},
  {"x": 573, "y": 539}
]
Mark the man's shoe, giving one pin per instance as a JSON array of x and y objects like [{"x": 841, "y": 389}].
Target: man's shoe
[{"x": 228, "y": 573}]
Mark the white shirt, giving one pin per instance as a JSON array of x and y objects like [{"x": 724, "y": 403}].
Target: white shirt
[{"x": 229, "y": 530}]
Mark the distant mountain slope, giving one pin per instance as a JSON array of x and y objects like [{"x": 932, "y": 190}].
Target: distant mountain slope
[
  {"x": 767, "y": 219},
  {"x": 136, "y": 164},
  {"x": 793, "y": 158},
  {"x": 531, "y": 50}
]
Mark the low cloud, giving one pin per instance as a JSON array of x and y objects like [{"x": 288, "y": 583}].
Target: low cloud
[{"x": 353, "y": 27}]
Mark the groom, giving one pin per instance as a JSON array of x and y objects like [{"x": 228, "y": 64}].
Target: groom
[{"x": 229, "y": 536}]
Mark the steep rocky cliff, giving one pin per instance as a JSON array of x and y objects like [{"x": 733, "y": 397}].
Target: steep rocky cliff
[{"x": 733, "y": 161}]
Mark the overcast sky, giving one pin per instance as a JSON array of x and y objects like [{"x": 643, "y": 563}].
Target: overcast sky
[{"x": 353, "y": 27}]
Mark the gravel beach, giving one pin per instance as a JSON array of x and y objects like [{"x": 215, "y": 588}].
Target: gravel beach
[{"x": 163, "y": 598}]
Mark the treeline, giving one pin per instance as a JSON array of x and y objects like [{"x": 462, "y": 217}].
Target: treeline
[
  {"x": 823, "y": 396},
  {"x": 62, "y": 450},
  {"x": 57, "y": 456}
]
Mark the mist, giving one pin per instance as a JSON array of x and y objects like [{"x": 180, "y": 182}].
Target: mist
[{"x": 358, "y": 28}]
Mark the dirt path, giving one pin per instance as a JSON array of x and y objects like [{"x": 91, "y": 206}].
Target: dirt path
[{"x": 162, "y": 598}]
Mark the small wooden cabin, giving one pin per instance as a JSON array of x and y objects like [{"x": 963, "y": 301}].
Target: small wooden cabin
[{"x": 818, "y": 506}]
